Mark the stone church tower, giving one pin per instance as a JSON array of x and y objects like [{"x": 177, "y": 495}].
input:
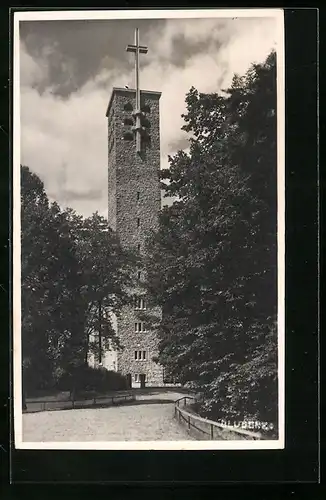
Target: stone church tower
[{"x": 134, "y": 200}]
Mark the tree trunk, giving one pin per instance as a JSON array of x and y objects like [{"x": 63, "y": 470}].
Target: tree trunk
[
  {"x": 100, "y": 332},
  {"x": 86, "y": 349}
]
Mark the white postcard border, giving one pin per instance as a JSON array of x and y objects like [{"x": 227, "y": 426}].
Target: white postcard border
[{"x": 278, "y": 14}]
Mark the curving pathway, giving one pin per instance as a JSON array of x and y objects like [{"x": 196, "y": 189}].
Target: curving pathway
[{"x": 150, "y": 418}]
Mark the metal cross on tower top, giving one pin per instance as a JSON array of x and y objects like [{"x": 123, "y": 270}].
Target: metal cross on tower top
[{"x": 137, "y": 49}]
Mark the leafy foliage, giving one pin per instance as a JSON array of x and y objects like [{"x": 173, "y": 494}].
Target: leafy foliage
[
  {"x": 212, "y": 264},
  {"x": 71, "y": 268}
]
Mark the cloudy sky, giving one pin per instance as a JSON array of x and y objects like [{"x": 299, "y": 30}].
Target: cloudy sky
[{"x": 68, "y": 69}]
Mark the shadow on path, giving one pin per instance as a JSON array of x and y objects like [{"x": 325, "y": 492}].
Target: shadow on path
[
  {"x": 90, "y": 406},
  {"x": 151, "y": 402}
]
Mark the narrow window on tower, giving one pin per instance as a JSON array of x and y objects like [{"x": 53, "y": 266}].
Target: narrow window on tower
[
  {"x": 128, "y": 107},
  {"x": 139, "y": 275},
  {"x": 138, "y": 221},
  {"x": 139, "y": 327},
  {"x": 146, "y": 123},
  {"x": 138, "y": 195},
  {"x": 138, "y": 247},
  {"x": 128, "y": 136},
  {"x": 128, "y": 121},
  {"x": 140, "y": 303},
  {"x": 140, "y": 355}
]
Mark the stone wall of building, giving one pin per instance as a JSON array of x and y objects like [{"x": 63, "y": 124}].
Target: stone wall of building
[
  {"x": 112, "y": 202},
  {"x": 134, "y": 203}
]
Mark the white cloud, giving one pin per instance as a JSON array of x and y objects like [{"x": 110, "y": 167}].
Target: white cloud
[
  {"x": 70, "y": 133},
  {"x": 73, "y": 132},
  {"x": 31, "y": 71}
]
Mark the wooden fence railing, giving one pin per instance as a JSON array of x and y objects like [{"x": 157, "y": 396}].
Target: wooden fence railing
[
  {"x": 49, "y": 404},
  {"x": 208, "y": 429}
]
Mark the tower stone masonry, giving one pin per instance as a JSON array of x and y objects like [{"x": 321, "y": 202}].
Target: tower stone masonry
[{"x": 134, "y": 201}]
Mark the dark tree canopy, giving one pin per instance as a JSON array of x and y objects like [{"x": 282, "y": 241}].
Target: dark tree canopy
[
  {"x": 71, "y": 267},
  {"x": 212, "y": 263}
]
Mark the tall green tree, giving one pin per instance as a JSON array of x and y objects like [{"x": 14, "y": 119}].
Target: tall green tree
[
  {"x": 39, "y": 267},
  {"x": 212, "y": 264},
  {"x": 34, "y": 208},
  {"x": 73, "y": 269},
  {"x": 105, "y": 272}
]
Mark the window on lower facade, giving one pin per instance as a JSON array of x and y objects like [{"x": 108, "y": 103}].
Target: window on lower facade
[
  {"x": 140, "y": 355},
  {"x": 140, "y": 327}
]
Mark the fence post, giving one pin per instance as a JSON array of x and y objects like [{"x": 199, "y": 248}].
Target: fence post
[{"x": 212, "y": 431}]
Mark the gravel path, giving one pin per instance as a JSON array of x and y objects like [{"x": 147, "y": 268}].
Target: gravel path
[{"x": 150, "y": 418}]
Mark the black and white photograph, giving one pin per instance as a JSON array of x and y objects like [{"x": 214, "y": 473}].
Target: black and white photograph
[{"x": 148, "y": 229}]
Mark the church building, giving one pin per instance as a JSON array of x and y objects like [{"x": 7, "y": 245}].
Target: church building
[{"x": 134, "y": 201}]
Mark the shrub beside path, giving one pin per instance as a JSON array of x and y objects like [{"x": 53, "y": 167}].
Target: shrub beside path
[{"x": 150, "y": 418}]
